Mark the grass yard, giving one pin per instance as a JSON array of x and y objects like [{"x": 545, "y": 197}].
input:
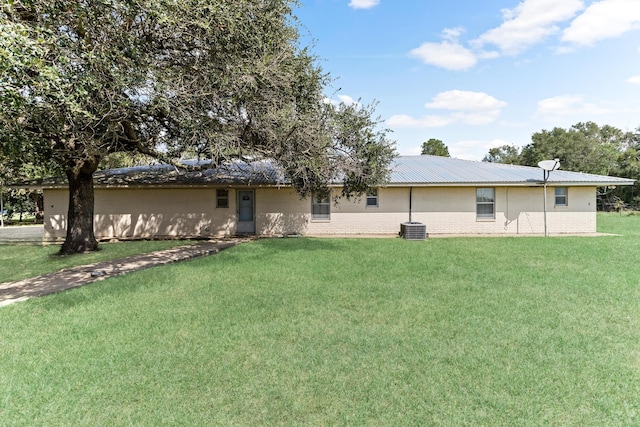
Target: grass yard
[
  {"x": 21, "y": 261},
  {"x": 460, "y": 331}
]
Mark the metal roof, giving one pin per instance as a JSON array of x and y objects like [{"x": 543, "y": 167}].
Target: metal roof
[
  {"x": 262, "y": 172},
  {"x": 435, "y": 170},
  {"x": 405, "y": 171}
]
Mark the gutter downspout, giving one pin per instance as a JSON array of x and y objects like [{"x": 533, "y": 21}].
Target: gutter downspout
[{"x": 410, "y": 202}]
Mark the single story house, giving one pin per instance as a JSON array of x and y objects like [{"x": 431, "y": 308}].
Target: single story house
[{"x": 450, "y": 196}]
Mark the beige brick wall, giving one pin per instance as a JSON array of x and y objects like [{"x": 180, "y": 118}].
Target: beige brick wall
[
  {"x": 452, "y": 210},
  {"x": 147, "y": 213},
  {"x": 56, "y": 203},
  {"x": 188, "y": 212},
  {"x": 518, "y": 210},
  {"x": 281, "y": 211},
  {"x": 354, "y": 217}
]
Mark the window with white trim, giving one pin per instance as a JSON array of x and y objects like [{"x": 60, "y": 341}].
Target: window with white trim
[
  {"x": 485, "y": 203},
  {"x": 222, "y": 198},
  {"x": 562, "y": 196},
  {"x": 320, "y": 206},
  {"x": 372, "y": 198}
]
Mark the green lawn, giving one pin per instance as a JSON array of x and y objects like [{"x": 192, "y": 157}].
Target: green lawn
[
  {"x": 460, "y": 331},
  {"x": 21, "y": 261}
]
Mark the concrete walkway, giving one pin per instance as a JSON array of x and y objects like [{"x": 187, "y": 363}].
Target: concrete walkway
[
  {"x": 77, "y": 276},
  {"x": 21, "y": 234}
]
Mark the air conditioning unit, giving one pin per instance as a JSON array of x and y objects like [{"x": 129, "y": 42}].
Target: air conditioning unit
[{"x": 413, "y": 231}]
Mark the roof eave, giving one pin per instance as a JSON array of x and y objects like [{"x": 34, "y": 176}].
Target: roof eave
[{"x": 509, "y": 184}]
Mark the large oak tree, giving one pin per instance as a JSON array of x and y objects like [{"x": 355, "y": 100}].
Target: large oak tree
[{"x": 83, "y": 79}]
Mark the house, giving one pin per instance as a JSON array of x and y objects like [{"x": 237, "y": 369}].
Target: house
[{"x": 450, "y": 196}]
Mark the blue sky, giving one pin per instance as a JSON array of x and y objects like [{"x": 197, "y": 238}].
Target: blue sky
[{"x": 480, "y": 73}]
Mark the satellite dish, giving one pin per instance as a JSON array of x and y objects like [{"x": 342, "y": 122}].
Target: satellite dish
[{"x": 550, "y": 165}]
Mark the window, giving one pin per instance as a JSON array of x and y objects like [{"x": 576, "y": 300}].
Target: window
[
  {"x": 561, "y": 196},
  {"x": 320, "y": 207},
  {"x": 372, "y": 198},
  {"x": 222, "y": 198},
  {"x": 485, "y": 203}
]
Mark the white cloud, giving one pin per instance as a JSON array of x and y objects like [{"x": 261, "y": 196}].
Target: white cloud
[
  {"x": 405, "y": 121},
  {"x": 568, "y": 105},
  {"x": 448, "y": 54},
  {"x": 524, "y": 26},
  {"x": 451, "y": 56},
  {"x": 474, "y": 149},
  {"x": 344, "y": 99},
  {"x": 634, "y": 80},
  {"x": 363, "y": 4},
  {"x": 529, "y": 23},
  {"x": 466, "y": 107},
  {"x": 476, "y": 118},
  {"x": 602, "y": 20},
  {"x": 452, "y": 34},
  {"x": 464, "y": 100}
]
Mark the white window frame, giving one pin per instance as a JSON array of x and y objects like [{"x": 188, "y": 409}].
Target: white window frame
[
  {"x": 372, "y": 198},
  {"x": 479, "y": 202},
  {"x": 321, "y": 207},
  {"x": 564, "y": 196}
]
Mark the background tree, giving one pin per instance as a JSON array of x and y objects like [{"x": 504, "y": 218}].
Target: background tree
[
  {"x": 15, "y": 169},
  {"x": 435, "y": 147},
  {"x": 18, "y": 202},
  {"x": 628, "y": 167},
  {"x": 585, "y": 147},
  {"x": 508, "y": 154},
  {"x": 215, "y": 78}
]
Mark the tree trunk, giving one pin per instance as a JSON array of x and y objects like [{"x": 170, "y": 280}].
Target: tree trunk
[{"x": 80, "y": 235}]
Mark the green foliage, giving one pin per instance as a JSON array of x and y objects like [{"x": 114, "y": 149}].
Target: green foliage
[
  {"x": 461, "y": 331},
  {"x": 125, "y": 160},
  {"x": 585, "y": 147},
  {"x": 215, "y": 78},
  {"x": 629, "y": 166},
  {"x": 18, "y": 202},
  {"x": 365, "y": 153},
  {"x": 21, "y": 201},
  {"x": 507, "y": 154},
  {"x": 435, "y": 147}
]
